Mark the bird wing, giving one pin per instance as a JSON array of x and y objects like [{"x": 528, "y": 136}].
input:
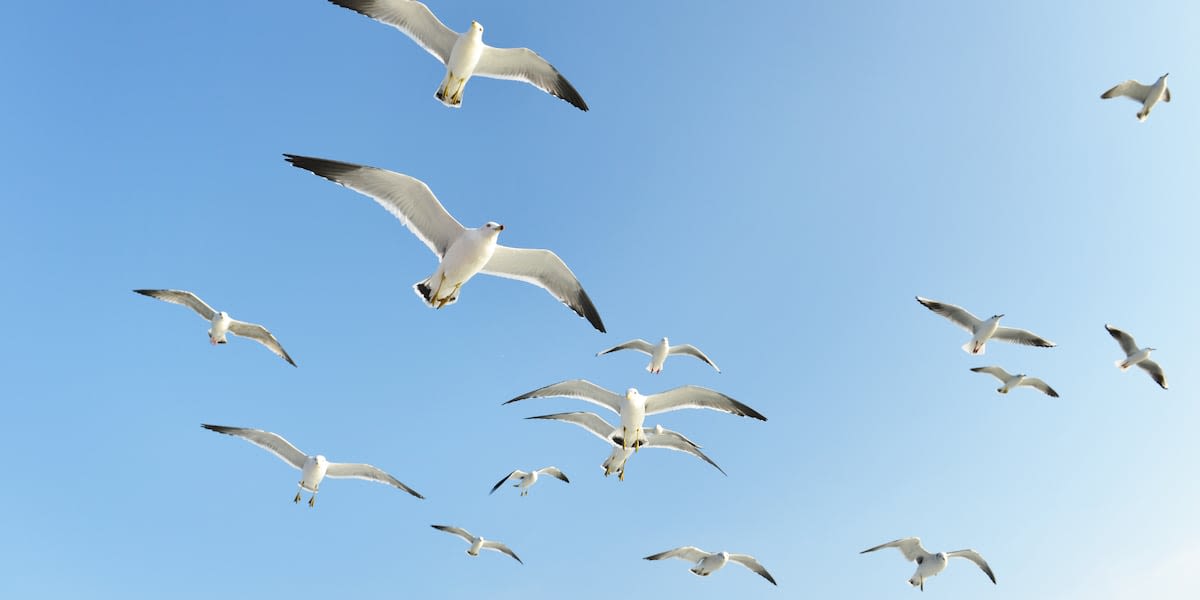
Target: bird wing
[
  {"x": 407, "y": 198},
  {"x": 546, "y": 270},
  {"x": 748, "y": 561},
  {"x": 555, "y": 473},
  {"x": 411, "y": 17},
  {"x": 462, "y": 533},
  {"x": 910, "y": 547},
  {"x": 1155, "y": 371},
  {"x": 580, "y": 389},
  {"x": 996, "y": 372},
  {"x": 691, "y": 350},
  {"x": 518, "y": 473},
  {"x": 271, "y": 442},
  {"x": 587, "y": 420},
  {"x": 1166, "y": 94},
  {"x": 957, "y": 314},
  {"x": 498, "y": 547},
  {"x": 639, "y": 344},
  {"x": 1021, "y": 336},
  {"x": 688, "y": 553},
  {"x": 1129, "y": 346},
  {"x": 523, "y": 64},
  {"x": 1034, "y": 382},
  {"x": 694, "y": 396},
  {"x": 183, "y": 298},
  {"x": 675, "y": 441},
  {"x": 368, "y": 472},
  {"x": 1130, "y": 89},
  {"x": 974, "y": 557},
  {"x": 259, "y": 334}
]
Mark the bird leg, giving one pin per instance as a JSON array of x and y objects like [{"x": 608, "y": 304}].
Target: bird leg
[
  {"x": 313, "y": 500},
  {"x": 297, "y": 498}
]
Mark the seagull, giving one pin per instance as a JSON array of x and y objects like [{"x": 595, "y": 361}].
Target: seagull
[
  {"x": 1012, "y": 381},
  {"x": 220, "y": 323},
  {"x": 1148, "y": 95},
  {"x": 656, "y": 437},
  {"x": 525, "y": 480},
  {"x": 313, "y": 468},
  {"x": 465, "y": 54},
  {"x": 659, "y": 352},
  {"x": 633, "y": 406},
  {"x": 928, "y": 564},
  {"x": 982, "y": 331},
  {"x": 707, "y": 562},
  {"x": 463, "y": 252},
  {"x": 478, "y": 543},
  {"x": 1137, "y": 356}
]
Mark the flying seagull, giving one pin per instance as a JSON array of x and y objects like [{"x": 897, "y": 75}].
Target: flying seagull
[
  {"x": 526, "y": 479},
  {"x": 465, "y": 54},
  {"x": 462, "y": 252},
  {"x": 656, "y": 437},
  {"x": 313, "y": 468},
  {"x": 1136, "y": 356},
  {"x": 928, "y": 564},
  {"x": 219, "y": 322},
  {"x": 982, "y": 331},
  {"x": 478, "y": 543},
  {"x": 633, "y": 406},
  {"x": 659, "y": 352},
  {"x": 1012, "y": 381},
  {"x": 1147, "y": 95},
  {"x": 707, "y": 562}
]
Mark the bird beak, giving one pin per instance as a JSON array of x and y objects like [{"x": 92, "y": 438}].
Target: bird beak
[{"x": 500, "y": 228}]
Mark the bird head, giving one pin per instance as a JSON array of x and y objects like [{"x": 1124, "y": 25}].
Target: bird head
[
  {"x": 631, "y": 393},
  {"x": 321, "y": 460},
  {"x": 493, "y": 226},
  {"x": 997, "y": 317},
  {"x": 476, "y": 27},
  {"x": 1150, "y": 349},
  {"x": 665, "y": 340},
  {"x": 223, "y": 315},
  {"x": 1164, "y": 76}
]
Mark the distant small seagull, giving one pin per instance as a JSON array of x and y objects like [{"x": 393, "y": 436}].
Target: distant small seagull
[
  {"x": 477, "y": 543},
  {"x": 1136, "y": 356},
  {"x": 1148, "y": 95},
  {"x": 659, "y": 352},
  {"x": 707, "y": 562},
  {"x": 982, "y": 331},
  {"x": 463, "y": 252},
  {"x": 313, "y": 468},
  {"x": 1012, "y": 381},
  {"x": 220, "y": 323},
  {"x": 655, "y": 437},
  {"x": 526, "y": 479},
  {"x": 465, "y": 54},
  {"x": 633, "y": 406},
  {"x": 928, "y": 564}
]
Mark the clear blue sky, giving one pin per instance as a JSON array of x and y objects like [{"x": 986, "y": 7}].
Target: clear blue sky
[{"x": 772, "y": 182}]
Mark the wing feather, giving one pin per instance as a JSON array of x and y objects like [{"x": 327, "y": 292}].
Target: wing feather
[
  {"x": 691, "y": 350},
  {"x": 910, "y": 547},
  {"x": 639, "y": 344},
  {"x": 956, "y": 314},
  {"x": 580, "y": 389},
  {"x": 182, "y": 298},
  {"x": 974, "y": 557},
  {"x": 688, "y": 553},
  {"x": 750, "y": 563},
  {"x": 694, "y": 396},
  {"x": 411, "y": 17},
  {"x": 523, "y": 64},
  {"x": 1155, "y": 371},
  {"x": 546, "y": 270},
  {"x": 367, "y": 472},
  {"x": 259, "y": 334},
  {"x": 271, "y": 442},
  {"x": 1128, "y": 345}
]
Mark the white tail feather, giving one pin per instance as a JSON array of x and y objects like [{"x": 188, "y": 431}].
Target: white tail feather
[{"x": 1123, "y": 364}]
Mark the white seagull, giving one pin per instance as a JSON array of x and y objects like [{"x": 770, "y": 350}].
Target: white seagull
[
  {"x": 465, "y": 54},
  {"x": 463, "y": 252},
  {"x": 707, "y": 562},
  {"x": 655, "y": 437},
  {"x": 928, "y": 564},
  {"x": 1136, "y": 356},
  {"x": 313, "y": 468},
  {"x": 981, "y": 330},
  {"x": 219, "y": 322},
  {"x": 1147, "y": 95},
  {"x": 1012, "y": 381},
  {"x": 633, "y": 406},
  {"x": 659, "y": 352},
  {"x": 526, "y": 479},
  {"x": 478, "y": 543}
]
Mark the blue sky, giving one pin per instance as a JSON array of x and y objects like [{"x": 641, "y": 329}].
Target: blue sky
[{"x": 773, "y": 185}]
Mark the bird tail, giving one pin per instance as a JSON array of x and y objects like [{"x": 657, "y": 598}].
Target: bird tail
[
  {"x": 1141, "y": 116},
  {"x": 970, "y": 348},
  {"x": 425, "y": 291},
  {"x": 1123, "y": 364}
]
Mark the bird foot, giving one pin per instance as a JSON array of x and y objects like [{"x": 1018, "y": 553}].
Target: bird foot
[
  {"x": 312, "y": 501},
  {"x": 297, "y": 498}
]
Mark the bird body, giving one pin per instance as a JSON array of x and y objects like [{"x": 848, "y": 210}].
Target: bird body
[
  {"x": 465, "y": 257},
  {"x": 464, "y": 57},
  {"x": 313, "y": 472},
  {"x": 1147, "y": 95},
  {"x": 219, "y": 326},
  {"x": 983, "y": 332},
  {"x": 930, "y": 564}
]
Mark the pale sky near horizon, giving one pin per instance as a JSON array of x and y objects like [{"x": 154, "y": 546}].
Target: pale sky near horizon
[{"x": 771, "y": 181}]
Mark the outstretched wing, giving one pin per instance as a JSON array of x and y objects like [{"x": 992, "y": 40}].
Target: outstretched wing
[
  {"x": 694, "y": 396},
  {"x": 688, "y": 553},
  {"x": 974, "y": 557},
  {"x": 462, "y": 533},
  {"x": 1021, "y": 336},
  {"x": 1036, "y": 383},
  {"x": 546, "y": 270},
  {"x": 182, "y": 298},
  {"x": 996, "y": 372},
  {"x": 748, "y": 561},
  {"x": 1129, "y": 89},
  {"x": 580, "y": 389},
  {"x": 639, "y": 344},
  {"x": 523, "y": 64},
  {"x": 259, "y": 334},
  {"x": 675, "y": 441},
  {"x": 368, "y": 472},
  {"x": 518, "y": 473},
  {"x": 587, "y": 420},
  {"x": 498, "y": 547},
  {"x": 413, "y": 18},
  {"x": 1129, "y": 346},
  {"x": 555, "y": 473},
  {"x": 910, "y": 547},
  {"x": 271, "y": 442},
  {"x": 1155, "y": 371},
  {"x": 691, "y": 350},
  {"x": 956, "y": 314}
]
